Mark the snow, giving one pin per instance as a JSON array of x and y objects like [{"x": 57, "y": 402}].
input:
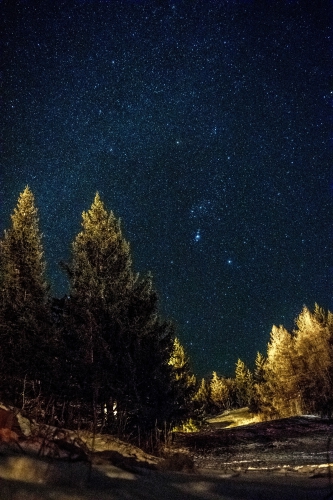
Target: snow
[{"x": 282, "y": 460}]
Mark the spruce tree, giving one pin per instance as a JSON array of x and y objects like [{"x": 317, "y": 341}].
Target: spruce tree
[
  {"x": 123, "y": 348},
  {"x": 280, "y": 393},
  {"x": 202, "y": 399},
  {"x": 222, "y": 392},
  {"x": 259, "y": 369},
  {"x": 147, "y": 380},
  {"x": 26, "y": 340},
  {"x": 258, "y": 381},
  {"x": 99, "y": 274},
  {"x": 218, "y": 391},
  {"x": 297, "y": 375},
  {"x": 314, "y": 354},
  {"x": 185, "y": 384},
  {"x": 244, "y": 383}
]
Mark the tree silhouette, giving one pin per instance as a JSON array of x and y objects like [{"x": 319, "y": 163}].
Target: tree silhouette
[{"x": 26, "y": 337}]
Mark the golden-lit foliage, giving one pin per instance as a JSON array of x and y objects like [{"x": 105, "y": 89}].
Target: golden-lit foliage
[
  {"x": 244, "y": 383},
  {"x": 180, "y": 363},
  {"x": 185, "y": 381},
  {"x": 27, "y": 336},
  {"x": 222, "y": 391},
  {"x": 281, "y": 391},
  {"x": 102, "y": 251},
  {"x": 312, "y": 339},
  {"x": 235, "y": 418},
  {"x": 21, "y": 253},
  {"x": 297, "y": 375},
  {"x": 202, "y": 395}
]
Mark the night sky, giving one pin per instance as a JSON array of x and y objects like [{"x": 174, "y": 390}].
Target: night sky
[{"x": 206, "y": 126}]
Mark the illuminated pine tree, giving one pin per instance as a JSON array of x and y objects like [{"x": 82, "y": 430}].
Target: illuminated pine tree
[
  {"x": 258, "y": 380},
  {"x": 314, "y": 355},
  {"x": 100, "y": 278},
  {"x": 26, "y": 339},
  {"x": 298, "y": 371},
  {"x": 222, "y": 392},
  {"x": 202, "y": 399},
  {"x": 244, "y": 383},
  {"x": 259, "y": 369},
  {"x": 123, "y": 349},
  {"x": 217, "y": 390},
  {"x": 280, "y": 393},
  {"x": 101, "y": 256},
  {"x": 22, "y": 257},
  {"x": 184, "y": 385}
]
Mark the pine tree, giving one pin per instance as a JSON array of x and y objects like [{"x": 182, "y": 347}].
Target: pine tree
[
  {"x": 255, "y": 403},
  {"x": 244, "y": 384},
  {"x": 124, "y": 348},
  {"x": 147, "y": 379},
  {"x": 100, "y": 274},
  {"x": 218, "y": 392},
  {"x": 26, "y": 339},
  {"x": 202, "y": 399},
  {"x": 222, "y": 392},
  {"x": 184, "y": 381},
  {"x": 259, "y": 369},
  {"x": 297, "y": 375},
  {"x": 314, "y": 354},
  {"x": 280, "y": 393}
]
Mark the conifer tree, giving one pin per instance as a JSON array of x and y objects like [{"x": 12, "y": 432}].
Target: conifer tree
[
  {"x": 259, "y": 369},
  {"x": 26, "y": 340},
  {"x": 258, "y": 381},
  {"x": 244, "y": 383},
  {"x": 123, "y": 347},
  {"x": 314, "y": 355},
  {"x": 280, "y": 393},
  {"x": 202, "y": 399},
  {"x": 100, "y": 277},
  {"x": 218, "y": 391},
  {"x": 184, "y": 381},
  {"x": 147, "y": 380},
  {"x": 222, "y": 392}
]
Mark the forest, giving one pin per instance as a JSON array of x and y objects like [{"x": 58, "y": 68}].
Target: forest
[{"x": 102, "y": 358}]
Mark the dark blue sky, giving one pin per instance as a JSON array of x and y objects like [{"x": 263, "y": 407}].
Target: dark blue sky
[{"x": 206, "y": 126}]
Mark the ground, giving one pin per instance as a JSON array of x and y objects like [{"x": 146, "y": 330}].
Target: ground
[
  {"x": 296, "y": 443},
  {"x": 282, "y": 459}
]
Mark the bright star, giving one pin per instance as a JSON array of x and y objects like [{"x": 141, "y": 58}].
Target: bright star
[{"x": 197, "y": 236}]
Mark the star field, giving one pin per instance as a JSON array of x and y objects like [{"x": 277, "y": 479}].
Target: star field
[{"x": 205, "y": 126}]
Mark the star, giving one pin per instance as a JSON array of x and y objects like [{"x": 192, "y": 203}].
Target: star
[
  {"x": 197, "y": 236},
  {"x": 180, "y": 154}
]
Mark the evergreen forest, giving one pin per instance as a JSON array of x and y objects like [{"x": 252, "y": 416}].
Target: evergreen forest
[{"x": 102, "y": 357}]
